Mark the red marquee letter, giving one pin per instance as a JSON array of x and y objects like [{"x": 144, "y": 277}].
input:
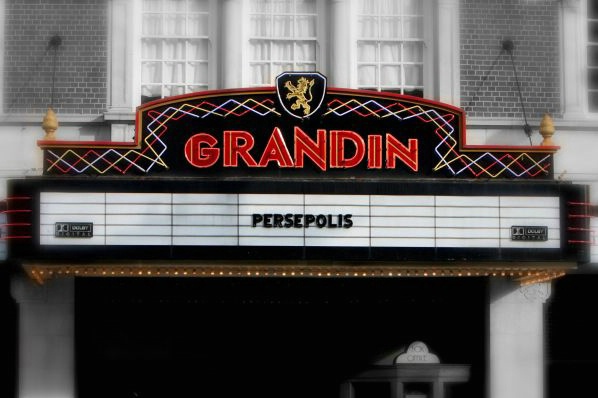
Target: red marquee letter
[
  {"x": 316, "y": 151},
  {"x": 395, "y": 149},
  {"x": 374, "y": 151},
  {"x": 276, "y": 150},
  {"x": 199, "y": 155},
  {"x": 337, "y": 149},
  {"x": 233, "y": 149}
]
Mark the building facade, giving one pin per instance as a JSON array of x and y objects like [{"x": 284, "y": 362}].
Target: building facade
[{"x": 505, "y": 63}]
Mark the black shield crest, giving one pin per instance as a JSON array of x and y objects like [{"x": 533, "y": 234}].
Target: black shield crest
[{"x": 301, "y": 93}]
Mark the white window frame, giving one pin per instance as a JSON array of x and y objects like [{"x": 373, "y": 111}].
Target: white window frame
[
  {"x": 2, "y": 45},
  {"x": 574, "y": 61},
  {"x": 209, "y": 61},
  {"x": 124, "y": 60},
  {"x": 425, "y": 40},
  {"x": 428, "y": 50},
  {"x": 442, "y": 80},
  {"x": 320, "y": 42},
  {"x": 585, "y": 52}
]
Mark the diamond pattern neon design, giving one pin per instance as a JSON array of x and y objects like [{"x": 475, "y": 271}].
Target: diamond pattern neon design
[
  {"x": 150, "y": 154},
  {"x": 102, "y": 161},
  {"x": 478, "y": 164}
]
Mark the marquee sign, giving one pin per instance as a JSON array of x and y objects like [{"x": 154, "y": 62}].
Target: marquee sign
[
  {"x": 299, "y": 171},
  {"x": 299, "y": 128},
  {"x": 182, "y": 219}
]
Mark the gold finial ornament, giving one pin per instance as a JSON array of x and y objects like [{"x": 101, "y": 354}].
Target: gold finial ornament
[
  {"x": 547, "y": 130},
  {"x": 50, "y": 124}
]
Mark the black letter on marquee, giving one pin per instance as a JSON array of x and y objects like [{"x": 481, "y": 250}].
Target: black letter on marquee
[{"x": 256, "y": 219}]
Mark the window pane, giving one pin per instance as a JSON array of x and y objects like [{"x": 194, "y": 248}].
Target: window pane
[
  {"x": 151, "y": 49},
  {"x": 151, "y": 72},
  {"x": 175, "y": 5},
  {"x": 192, "y": 89},
  {"x": 413, "y": 28},
  {"x": 198, "y": 50},
  {"x": 305, "y": 67},
  {"x": 412, "y": 7},
  {"x": 150, "y": 93},
  {"x": 261, "y": 26},
  {"x": 278, "y": 68},
  {"x": 282, "y": 51},
  {"x": 413, "y": 51},
  {"x": 593, "y": 78},
  {"x": 593, "y": 101},
  {"x": 593, "y": 55},
  {"x": 306, "y": 7},
  {"x": 260, "y": 74},
  {"x": 305, "y": 51},
  {"x": 593, "y": 9},
  {"x": 197, "y": 72},
  {"x": 367, "y": 76},
  {"x": 198, "y": 25},
  {"x": 390, "y": 76},
  {"x": 283, "y": 26},
  {"x": 390, "y": 28},
  {"x": 198, "y": 5},
  {"x": 282, "y": 6},
  {"x": 414, "y": 75},
  {"x": 152, "y": 5},
  {"x": 173, "y": 90},
  {"x": 368, "y": 7},
  {"x": 261, "y": 6},
  {"x": 368, "y": 27},
  {"x": 152, "y": 24},
  {"x": 174, "y": 24},
  {"x": 260, "y": 50},
  {"x": 390, "y": 52},
  {"x": 306, "y": 26},
  {"x": 389, "y": 7},
  {"x": 417, "y": 92},
  {"x": 593, "y": 32},
  {"x": 174, "y": 49},
  {"x": 174, "y": 72},
  {"x": 367, "y": 52}
]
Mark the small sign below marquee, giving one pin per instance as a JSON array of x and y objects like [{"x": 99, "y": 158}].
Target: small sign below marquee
[
  {"x": 532, "y": 233},
  {"x": 73, "y": 230}
]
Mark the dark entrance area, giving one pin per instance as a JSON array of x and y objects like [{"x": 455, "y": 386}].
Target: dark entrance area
[
  {"x": 572, "y": 330},
  {"x": 266, "y": 337}
]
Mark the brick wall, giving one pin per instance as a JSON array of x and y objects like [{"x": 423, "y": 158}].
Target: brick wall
[
  {"x": 533, "y": 26},
  {"x": 81, "y": 68}
]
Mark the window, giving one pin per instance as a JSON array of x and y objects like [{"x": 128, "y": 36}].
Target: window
[
  {"x": 283, "y": 37},
  {"x": 592, "y": 56},
  {"x": 390, "y": 46},
  {"x": 174, "y": 47}
]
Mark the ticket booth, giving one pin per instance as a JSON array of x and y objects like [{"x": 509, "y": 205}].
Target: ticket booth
[{"x": 411, "y": 373}]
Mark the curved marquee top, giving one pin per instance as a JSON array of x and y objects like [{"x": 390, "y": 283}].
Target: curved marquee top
[{"x": 299, "y": 128}]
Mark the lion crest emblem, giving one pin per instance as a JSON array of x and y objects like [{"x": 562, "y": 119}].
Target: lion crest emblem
[{"x": 301, "y": 93}]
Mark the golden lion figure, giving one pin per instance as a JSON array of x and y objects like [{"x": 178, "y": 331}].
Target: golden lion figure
[{"x": 299, "y": 91}]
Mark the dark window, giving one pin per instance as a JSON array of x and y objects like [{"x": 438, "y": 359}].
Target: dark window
[{"x": 371, "y": 390}]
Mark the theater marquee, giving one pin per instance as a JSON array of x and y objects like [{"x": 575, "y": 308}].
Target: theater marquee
[{"x": 299, "y": 171}]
